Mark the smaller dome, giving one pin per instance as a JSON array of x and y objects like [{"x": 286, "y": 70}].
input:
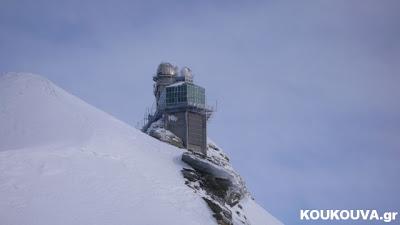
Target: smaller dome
[
  {"x": 186, "y": 72},
  {"x": 166, "y": 69}
]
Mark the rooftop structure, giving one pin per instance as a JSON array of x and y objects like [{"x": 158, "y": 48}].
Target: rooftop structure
[{"x": 182, "y": 104}]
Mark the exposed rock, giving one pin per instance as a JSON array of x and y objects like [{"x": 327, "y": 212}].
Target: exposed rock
[
  {"x": 212, "y": 177},
  {"x": 205, "y": 167},
  {"x": 191, "y": 175},
  {"x": 223, "y": 189},
  {"x": 157, "y": 131},
  {"x": 166, "y": 136},
  {"x": 223, "y": 216}
]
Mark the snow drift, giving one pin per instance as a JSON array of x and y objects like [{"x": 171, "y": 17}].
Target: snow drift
[{"x": 63, "y": 161}]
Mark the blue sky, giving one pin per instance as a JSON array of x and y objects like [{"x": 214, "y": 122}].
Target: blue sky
[{"x": 308, "y": 92}]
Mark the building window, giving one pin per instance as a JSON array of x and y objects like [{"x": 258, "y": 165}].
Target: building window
[{"x": 185, "y": 94}]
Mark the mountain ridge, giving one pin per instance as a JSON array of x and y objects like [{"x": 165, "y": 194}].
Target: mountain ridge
[{"x": 63, "y": 161}]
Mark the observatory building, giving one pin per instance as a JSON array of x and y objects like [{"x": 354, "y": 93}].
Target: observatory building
[{"x": 182, "y": 105}]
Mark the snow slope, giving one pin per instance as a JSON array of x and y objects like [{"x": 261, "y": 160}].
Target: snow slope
[{"x": 63, "y": 161}]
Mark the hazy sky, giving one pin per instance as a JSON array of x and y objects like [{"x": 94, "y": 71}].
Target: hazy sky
[{"x": 308, "y": 91}]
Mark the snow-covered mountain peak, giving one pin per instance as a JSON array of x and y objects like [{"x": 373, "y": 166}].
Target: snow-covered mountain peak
[
  {"x": 34, "y": 112},
  {"x": 63, "y": 161}
]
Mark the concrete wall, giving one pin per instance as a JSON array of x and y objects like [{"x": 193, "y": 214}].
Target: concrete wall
[
  {"x": 197, "y": 133},
  {"x": 191, "y": 127},
  {"x": 176, "y": 123}
]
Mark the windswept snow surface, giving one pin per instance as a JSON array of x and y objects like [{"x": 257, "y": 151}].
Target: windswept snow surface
[{"x": 63, "y": 161}]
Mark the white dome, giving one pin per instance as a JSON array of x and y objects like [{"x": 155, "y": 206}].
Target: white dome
[{"x": 185, "y": 71}]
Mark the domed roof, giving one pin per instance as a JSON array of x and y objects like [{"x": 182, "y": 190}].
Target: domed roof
[
  {"x": 166, "y": 69},
  {"x": 186, "y": 72}
]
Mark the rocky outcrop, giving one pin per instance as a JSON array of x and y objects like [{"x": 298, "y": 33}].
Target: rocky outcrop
[
  {"x": 223, "y": 216},
  {"x": 200, "y": 164},
  {"x": 213, "y": 178},
  {"x": 166, "y": 136},
  {"x": 157, "y": 131}
]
